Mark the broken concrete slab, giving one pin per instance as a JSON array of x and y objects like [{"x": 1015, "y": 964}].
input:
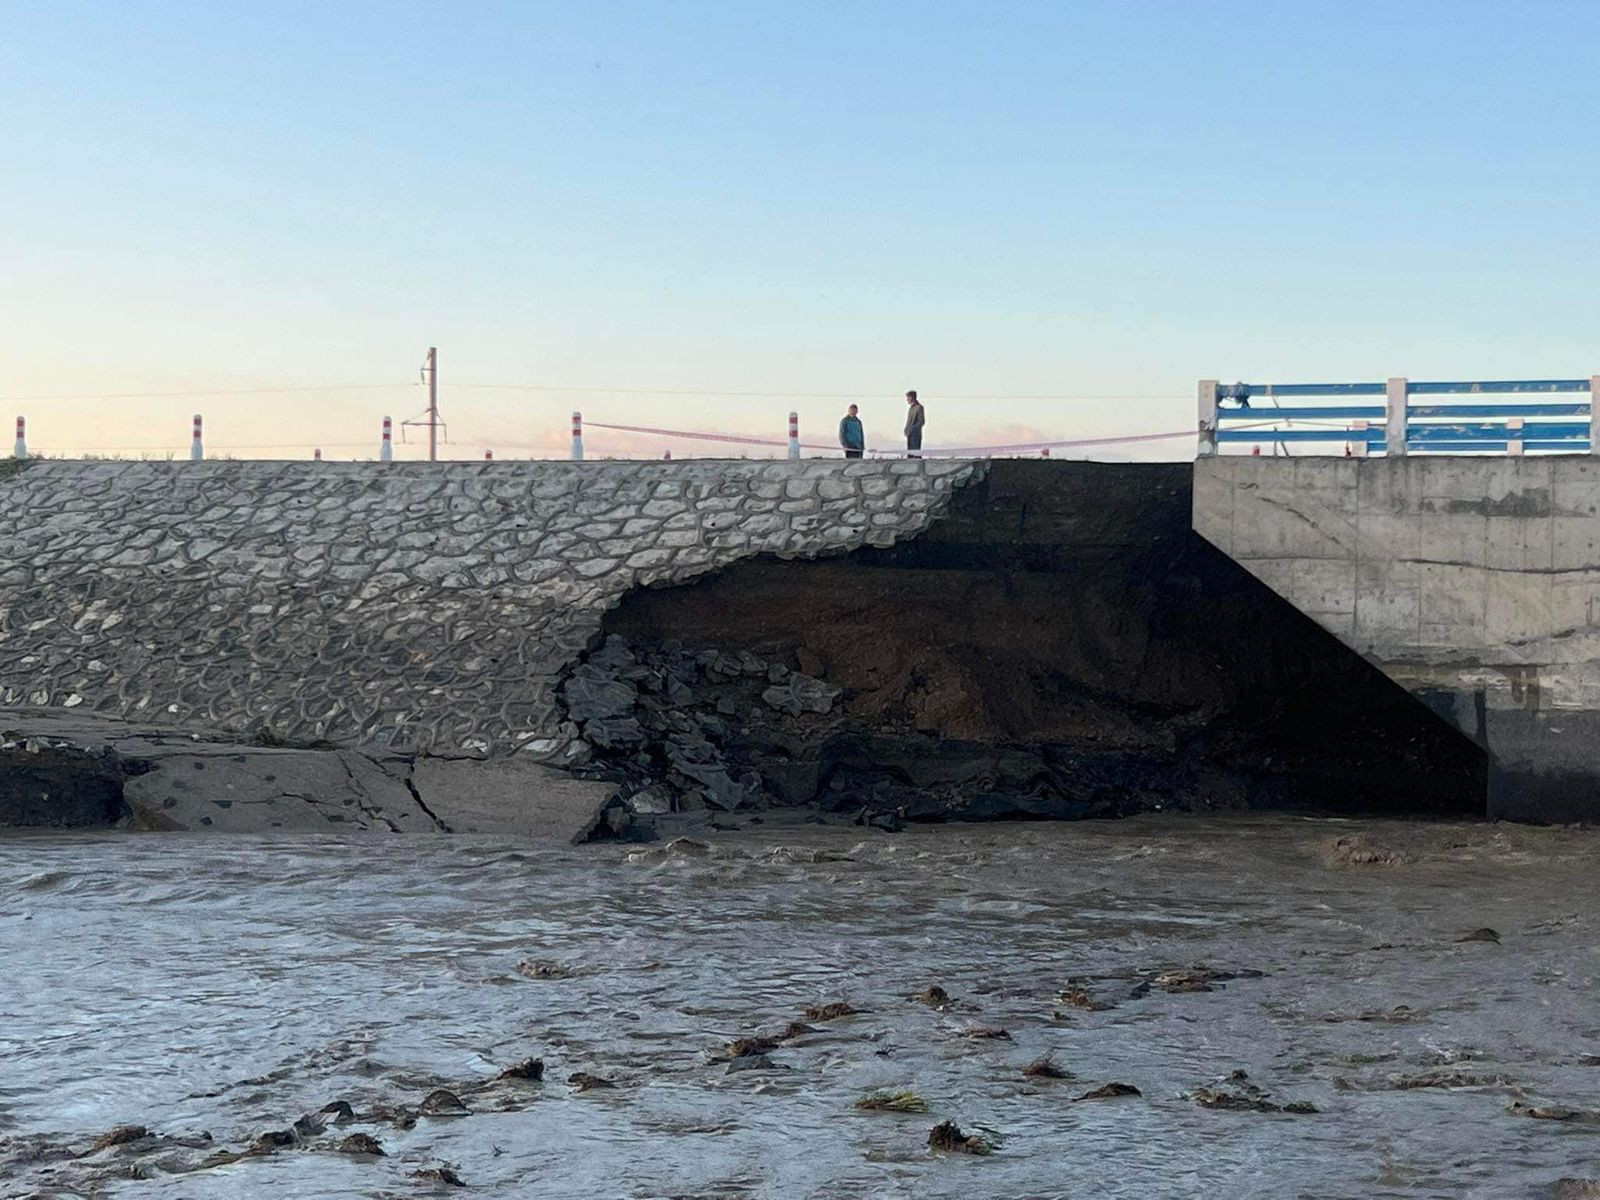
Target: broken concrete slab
[
  {"x": 75, "y": 770},
  {"x": 235, "y": 789},
  {"x": 522, "y": 799}
]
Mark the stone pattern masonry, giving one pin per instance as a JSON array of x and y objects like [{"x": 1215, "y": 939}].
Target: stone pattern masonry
[{"x": 427, "y": 608}]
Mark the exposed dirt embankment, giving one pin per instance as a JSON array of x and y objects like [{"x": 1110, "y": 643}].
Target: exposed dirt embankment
[{"x": 1059, "y": 644}]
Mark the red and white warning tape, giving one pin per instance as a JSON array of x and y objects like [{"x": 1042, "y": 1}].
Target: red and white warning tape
[{"x": 948, "y": 451}]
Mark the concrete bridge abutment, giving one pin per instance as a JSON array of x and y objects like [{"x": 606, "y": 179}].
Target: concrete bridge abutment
[{"x": 1473, "y": 582}]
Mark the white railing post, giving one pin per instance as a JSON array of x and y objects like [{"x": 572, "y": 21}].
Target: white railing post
[
  {"x": 1514, "y": 436},
  {"x": 1358, "y": 444},
  {"x": 1397, "y": 392},
  {"x": 197, "y": 449},
  {"x": 577, "y": 437},
  {"x": 20, "y": 450},
  {"x": 386, "y": 448},
  {"x": 1207, "y": 427},
  {"x": 1594, "y": 414},
  {"x": 794, "y": 435}
]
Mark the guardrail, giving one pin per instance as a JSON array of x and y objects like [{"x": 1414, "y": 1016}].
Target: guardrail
[{"x": 1456, "y": 422}]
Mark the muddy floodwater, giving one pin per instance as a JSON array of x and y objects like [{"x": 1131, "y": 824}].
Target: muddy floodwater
[{"x": 1413, "y": 1008}]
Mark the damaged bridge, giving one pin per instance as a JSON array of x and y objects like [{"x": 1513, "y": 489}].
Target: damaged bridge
[
  {"x": 1470, "y": 578},
  {"x": 566, "y": 647}
]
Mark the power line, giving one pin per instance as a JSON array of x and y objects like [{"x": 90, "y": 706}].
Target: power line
[
  {"x": 119, "y": 448},
  {"x": 587, "y": 390},
  {"x": 703, "y": 392},
  {"x": 268, "y": 391}
]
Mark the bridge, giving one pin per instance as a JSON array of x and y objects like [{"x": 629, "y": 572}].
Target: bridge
[{"x": 1453, "y": 539}]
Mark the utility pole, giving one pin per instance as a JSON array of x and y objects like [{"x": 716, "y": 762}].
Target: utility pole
[
  {"x": 433, "y": 403},
  {"x": 430, "y": 372}
]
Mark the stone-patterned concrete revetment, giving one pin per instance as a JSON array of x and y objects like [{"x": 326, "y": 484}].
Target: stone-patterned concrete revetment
[{"x": 417, "y": 607}]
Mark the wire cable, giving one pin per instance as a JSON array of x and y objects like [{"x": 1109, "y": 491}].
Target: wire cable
[
  {"x": 752, "y": 395},
  {"x": 268, "y": 391}
]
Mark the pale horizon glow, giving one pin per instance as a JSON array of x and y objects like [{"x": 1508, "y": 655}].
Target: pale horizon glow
[{"x": 1098, "y": 202}]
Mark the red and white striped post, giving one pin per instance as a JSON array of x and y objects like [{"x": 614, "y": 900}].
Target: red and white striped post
[
  {"x": 316, "y": 455},
  {"x": 577, "y": 437},
  {"x": 20, "y": 450},
  {"x": 488, "y": 456},
  {"x": 197, "y": 449},
  {"x": 794, "y": 435},
  {"x": 386, "y": 451}
]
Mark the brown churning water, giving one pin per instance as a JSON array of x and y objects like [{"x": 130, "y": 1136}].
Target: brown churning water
[{"x": 232, "y": 986}]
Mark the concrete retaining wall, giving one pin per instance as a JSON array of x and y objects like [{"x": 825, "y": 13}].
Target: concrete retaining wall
[
  {"x": 1475, "y": 582},
  {"x": 419, "y": 607}
]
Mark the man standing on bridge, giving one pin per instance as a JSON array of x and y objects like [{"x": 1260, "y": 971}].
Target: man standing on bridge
[
  {"x": 851, "y": 436},
  {"x": 915, "y": 420}
]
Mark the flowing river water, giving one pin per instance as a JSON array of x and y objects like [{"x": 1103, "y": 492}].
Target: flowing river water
[{"x": 228, "y": 986}]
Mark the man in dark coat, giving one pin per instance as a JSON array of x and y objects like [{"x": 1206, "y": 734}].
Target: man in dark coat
[{"x": 915, "y": 420}]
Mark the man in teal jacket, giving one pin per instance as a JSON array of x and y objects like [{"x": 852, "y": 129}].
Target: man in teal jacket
[{"x": 851, "y": 436}]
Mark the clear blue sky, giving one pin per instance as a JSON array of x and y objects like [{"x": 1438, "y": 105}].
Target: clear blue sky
[{"x": 997, "y": 198}]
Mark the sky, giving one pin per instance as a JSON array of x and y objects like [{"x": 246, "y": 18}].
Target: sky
[{"x": 1051, "y": 219}]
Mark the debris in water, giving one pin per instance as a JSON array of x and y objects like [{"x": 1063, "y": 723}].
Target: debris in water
[
  {"x": 829, "y": 1012},
  {"x": 535, "y": 968},
  {"x": 309, "y": 1126},
  {"x": 934, "y": 996},
  {"x": 441, "y": 1174},
  {"x": 1077, "y": 997},
  {"x": 1571, "y": 1187},
  {"x": 1109, "y": 1091},
  {"x": 270, "y": 1142},
  {"x": 1253, "y": 1101},
  {"x": 981, "y": 1033},
  {"x": 1044, "y": 1068},
  {"x": 1554, "y": 1112},
  {"x": 1398, "y": 1015},
  {"x": 362, "y": 1143},
  {"x": 1481, "y": 935},
  {"x": 531, "y": 1069},
  {"x": 119, "y": 1136},
  {"x": 687, "y": 846},
  {"x": 1358, "y": 851},
  {"x": 902, "y": 1102},
  {"x": 1231, "y": 1101},
  {"x": 1198, "y": 978},
  {"x": 442, "y": 1103},
  {"x": 584, "y": 1082},
  {"x": 746, "y": 1046},
  {"x": 795, "y": 1029},
  {"x": 754, "y": 1062},
  {"x": 1445, "y": 1079},
  {"x": 947, "y": 1136},
  {"x": 338, "y": 1112}
]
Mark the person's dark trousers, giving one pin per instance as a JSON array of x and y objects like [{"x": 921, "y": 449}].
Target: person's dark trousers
[
  {"x": 914, "y": 444},
  {"x": 852, "y": 454}
]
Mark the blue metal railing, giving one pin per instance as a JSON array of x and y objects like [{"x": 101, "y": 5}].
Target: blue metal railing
[{"x": 1278, "y": 414}]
